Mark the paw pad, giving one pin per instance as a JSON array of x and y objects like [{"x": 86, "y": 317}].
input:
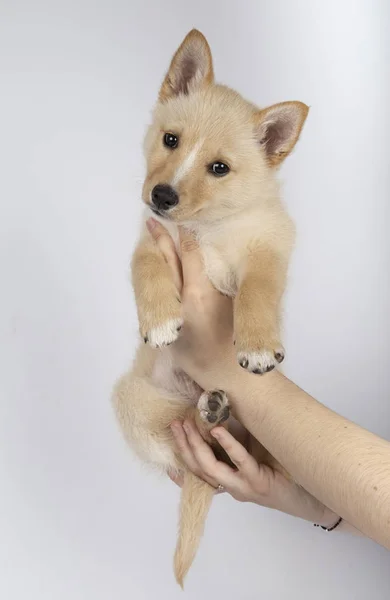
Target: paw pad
[{"x": 214, "y": 407}]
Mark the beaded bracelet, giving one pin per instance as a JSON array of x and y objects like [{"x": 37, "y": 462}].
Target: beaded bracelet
[{"x": 330, "y": 528}]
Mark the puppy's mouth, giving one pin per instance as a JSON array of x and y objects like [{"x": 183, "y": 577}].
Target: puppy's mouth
[{"x": 159, "y": 212}]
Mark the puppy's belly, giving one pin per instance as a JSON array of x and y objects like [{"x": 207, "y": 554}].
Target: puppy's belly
[{"x": 172, "y": 380}]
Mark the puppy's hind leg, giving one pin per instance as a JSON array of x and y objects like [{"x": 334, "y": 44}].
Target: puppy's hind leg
[
  {"x": 144, "y": 415},
  {"x": 213, "y": 409}
]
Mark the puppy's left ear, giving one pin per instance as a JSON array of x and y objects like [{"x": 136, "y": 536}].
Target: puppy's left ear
[
  {"x": 191, "y": 67},
  {"x": 278, "y": 128}
]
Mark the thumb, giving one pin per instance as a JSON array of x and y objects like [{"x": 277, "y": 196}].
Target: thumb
[{"x": 191, "y": 260}]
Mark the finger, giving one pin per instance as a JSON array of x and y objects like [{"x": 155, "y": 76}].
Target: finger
[
  {"x": 238, "y": 454},
  {"x": 156, "y": 229},
  {"x": 212, "y": 469},
  {"x": 192, "y": 261},
  {"x": 167, "y": 249},
  {"x": 178, "y": 478},
  {"x": 184, "y": 448}
]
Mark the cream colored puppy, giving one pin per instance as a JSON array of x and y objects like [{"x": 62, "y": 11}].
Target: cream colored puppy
[{"x": 212, "y": 160}]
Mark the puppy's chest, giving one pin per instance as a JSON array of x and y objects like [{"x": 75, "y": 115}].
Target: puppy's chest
[
  {"x": 218, "y": 260},
  {"x": 220, "y": 269}
]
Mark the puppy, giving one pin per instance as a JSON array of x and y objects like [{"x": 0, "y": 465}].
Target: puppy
[{"x": 212, "y": 160}]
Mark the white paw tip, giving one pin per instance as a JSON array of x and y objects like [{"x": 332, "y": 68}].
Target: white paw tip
[
  {"x": 164, "y": 334},
  {"x": 260, "y": 362}
]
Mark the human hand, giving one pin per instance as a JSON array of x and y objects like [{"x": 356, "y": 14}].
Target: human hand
[{"x": 250, "y": 482}]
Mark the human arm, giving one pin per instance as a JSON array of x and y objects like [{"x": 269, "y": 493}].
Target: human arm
[{"x": 346, "y": 467}]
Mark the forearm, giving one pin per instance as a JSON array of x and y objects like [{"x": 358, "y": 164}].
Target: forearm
[{"x": 346, "y": 467}]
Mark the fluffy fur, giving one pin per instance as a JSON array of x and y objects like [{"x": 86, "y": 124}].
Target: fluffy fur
[{"x": 246, "y": 238}]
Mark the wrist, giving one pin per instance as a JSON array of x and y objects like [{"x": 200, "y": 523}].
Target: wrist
[
  {"x": 289, "y": 497},
  {"x": 328, "y": 518}
]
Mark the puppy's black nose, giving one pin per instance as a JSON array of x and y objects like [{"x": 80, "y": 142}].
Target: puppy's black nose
[{"x": 164, "y": 197}]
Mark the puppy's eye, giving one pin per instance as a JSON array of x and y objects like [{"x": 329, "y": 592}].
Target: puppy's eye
[
  {"x": 170, "y": 140},
  {"x": 219, "y": 169}
]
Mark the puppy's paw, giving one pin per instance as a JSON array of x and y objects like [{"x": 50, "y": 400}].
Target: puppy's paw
[
  {"x": 260, "y": 361},
  {"x": 214, "y": 407},
  {"x": 164, "y": 334}
]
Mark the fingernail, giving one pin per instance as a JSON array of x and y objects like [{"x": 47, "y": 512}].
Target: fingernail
[
  {"x": 151, "y": 224},
  {"x": 215, "y": 433},
  {"x": 186, "y": 427}
]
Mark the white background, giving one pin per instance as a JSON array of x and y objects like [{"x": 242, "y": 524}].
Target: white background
[{"x": 79, "y": 519}]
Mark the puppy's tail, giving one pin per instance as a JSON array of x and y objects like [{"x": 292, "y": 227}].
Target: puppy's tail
[{"x": 195, "y": 502}]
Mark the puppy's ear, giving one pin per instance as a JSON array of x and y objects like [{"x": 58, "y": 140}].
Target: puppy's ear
[
  {"x": 191, "y": 67},
  {"x": 278, "y": 127}
]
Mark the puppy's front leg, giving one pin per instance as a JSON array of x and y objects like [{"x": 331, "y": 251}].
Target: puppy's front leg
[
  {"x": 257, "y": 308},
  {"x": 157, "y": 299}
]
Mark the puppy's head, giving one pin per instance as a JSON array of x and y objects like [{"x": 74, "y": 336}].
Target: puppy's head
[{"x": 209, "y": 152}]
